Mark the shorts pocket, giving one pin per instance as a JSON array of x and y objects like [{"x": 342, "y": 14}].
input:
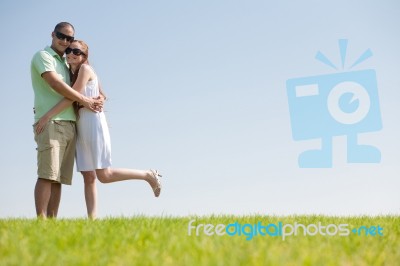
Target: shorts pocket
[{"x": 43, "y": 140}]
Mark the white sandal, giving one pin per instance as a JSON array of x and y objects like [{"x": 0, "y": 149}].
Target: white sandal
[{"x": 157, "y": 187}]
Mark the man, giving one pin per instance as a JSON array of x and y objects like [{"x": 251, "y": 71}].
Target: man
[{"x": 56, "y": 144}]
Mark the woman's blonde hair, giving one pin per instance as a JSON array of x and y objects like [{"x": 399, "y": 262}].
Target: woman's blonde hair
[
  {"x": 74, "y": 76},
  {"x": 85, "y": 50}
]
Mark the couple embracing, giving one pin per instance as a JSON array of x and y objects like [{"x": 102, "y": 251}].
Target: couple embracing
[{"x": 70, "y": 122}]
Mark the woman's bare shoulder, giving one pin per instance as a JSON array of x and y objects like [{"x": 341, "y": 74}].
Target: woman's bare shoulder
[{"x": 87, "y": 70}]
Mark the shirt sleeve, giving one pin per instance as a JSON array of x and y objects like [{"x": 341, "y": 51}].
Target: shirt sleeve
[{"x": 43, "y": 62}]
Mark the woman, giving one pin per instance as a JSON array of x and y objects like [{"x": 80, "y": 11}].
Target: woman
[{"x": 93, "y": 148}]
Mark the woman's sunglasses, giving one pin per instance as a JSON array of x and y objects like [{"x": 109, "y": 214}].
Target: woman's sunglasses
[
  {"x": 75, "y": 51},
  {"x": 62, "y": 37}
]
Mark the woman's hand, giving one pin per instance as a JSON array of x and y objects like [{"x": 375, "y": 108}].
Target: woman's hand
[{"x": 41, "y": 124}]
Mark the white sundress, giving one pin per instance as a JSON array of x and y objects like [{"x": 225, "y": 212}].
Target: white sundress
[{"x": 93, "y": 145}]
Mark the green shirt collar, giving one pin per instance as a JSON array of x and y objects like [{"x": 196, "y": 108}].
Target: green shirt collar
[{"x": 54, "y": 54}]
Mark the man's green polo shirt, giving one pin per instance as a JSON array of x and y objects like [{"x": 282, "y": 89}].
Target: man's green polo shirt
[{"x": 45, "y": 97}]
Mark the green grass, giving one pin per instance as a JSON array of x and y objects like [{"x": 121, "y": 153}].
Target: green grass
[{"x": 165, "y": 241}]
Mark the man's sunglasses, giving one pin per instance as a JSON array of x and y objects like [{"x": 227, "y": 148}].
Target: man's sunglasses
[
  {"x": 75, "y": 51},
  {"x": 62, "y": 37}
]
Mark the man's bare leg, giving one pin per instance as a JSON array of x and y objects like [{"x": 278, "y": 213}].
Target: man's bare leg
[
  {"x": 54, "y": 202},
  {"x": 42, "y": 197}
]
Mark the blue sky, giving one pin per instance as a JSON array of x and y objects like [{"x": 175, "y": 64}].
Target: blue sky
[{"x": 197, "y": 90}]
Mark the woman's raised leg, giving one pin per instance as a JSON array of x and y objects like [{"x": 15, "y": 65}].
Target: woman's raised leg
[{"x": 109, "y": 175}]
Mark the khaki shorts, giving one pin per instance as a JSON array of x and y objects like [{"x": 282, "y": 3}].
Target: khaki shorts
[{"x": 56, "y": 151}]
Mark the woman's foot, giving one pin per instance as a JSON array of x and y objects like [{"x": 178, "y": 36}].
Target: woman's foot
[{"x": 155, "y": 182}]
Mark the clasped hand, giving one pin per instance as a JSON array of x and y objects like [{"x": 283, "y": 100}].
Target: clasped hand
[{"x": 95, "y": 104}]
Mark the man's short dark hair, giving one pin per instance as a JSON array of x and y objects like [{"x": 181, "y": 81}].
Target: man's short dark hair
[{"x": 61, "y": 25}]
